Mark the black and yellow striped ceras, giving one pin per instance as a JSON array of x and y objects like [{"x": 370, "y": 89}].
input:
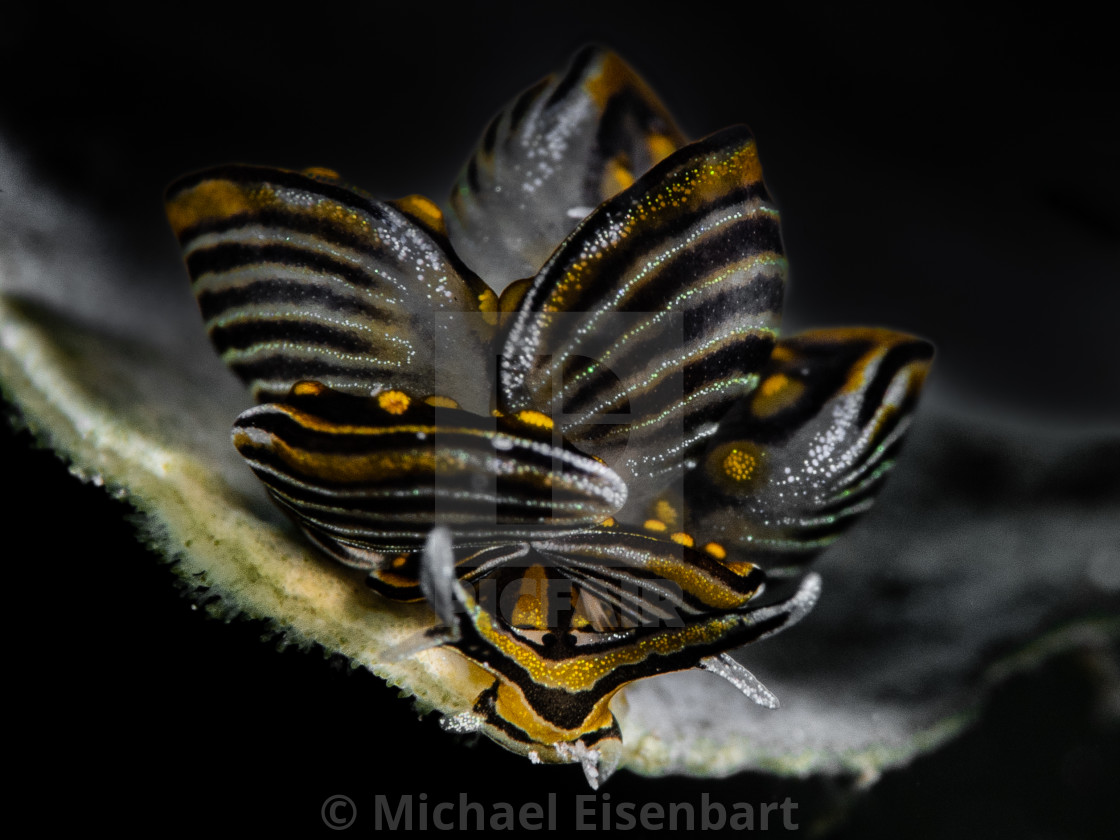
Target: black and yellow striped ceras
[{"x": 597, "y": 461}]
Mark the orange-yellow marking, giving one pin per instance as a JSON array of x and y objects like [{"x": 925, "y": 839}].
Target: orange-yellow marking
[
  {"x": 716, "y": 550},
  {"x": 208, "y": 201},
  {"x": 424, "y": 209},
  {"x": 488, "y": 306},
  {"x": 307, "y": 388},
  {"x": 394, "y": 402},
  {"x": 616, "y": 178},
  {"x": 660, "y": 147},
  {"x": 535, "y": 418},
  {"x": 612, "y": 77},
  {"x": 776, "y": 393},
  {"x": 441, "y": 402},
  {"x": 739, "y": 466}
]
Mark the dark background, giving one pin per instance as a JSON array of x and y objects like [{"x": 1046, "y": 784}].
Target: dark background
[{"x": 950, "y": 173}]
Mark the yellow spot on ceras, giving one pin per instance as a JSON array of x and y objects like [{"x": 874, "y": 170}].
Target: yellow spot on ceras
[
  {"x": 682, "y": 538},
  {"x": 531, "y": 417},
  {"x": 772, "y": 385},
  {"x": 739, "y": 466},
  {"x": 208, "y": 201},
  {"x": 399, "y": 561},
  {"x": 660, "y": 147},
  {"x": 716, "y": 550},
  {"x": 776, "y": 393},
  {"x": 611, "y": 76},
  {"x": 394, "y": 402},
  {"x": 438, "y": 401},
  {"x": 308, "y": 388},
  {"x": 655, "y": 525},
  {"x": 488, "y": 306},
  {"x": 424, "y": 210},
  {"x": 616, "y": 178},
  {"x": 487, "y": 301}
]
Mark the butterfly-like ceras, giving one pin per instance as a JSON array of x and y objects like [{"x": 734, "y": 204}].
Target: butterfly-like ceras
[{"x": 560, "y": 413}]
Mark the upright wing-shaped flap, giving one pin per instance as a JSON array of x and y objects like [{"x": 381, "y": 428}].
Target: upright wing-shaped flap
[
  {"x": 368, "y": 478},
  {"x": 554, "y": 154},
  {"x": 795, "y": 462},
  {"x": 655, "y": 315},
  {"x": 299, "y": 277}
]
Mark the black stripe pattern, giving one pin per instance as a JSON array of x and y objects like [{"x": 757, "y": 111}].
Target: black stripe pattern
[
  {"x": 793, "y": 466},
  {"x": 377, "y": 474},
  {"x": 655, "y": 315},
  {"x": 299, "y": 278}
]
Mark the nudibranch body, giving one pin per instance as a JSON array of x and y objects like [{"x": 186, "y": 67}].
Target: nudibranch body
[{"x": 561, "y": 414}]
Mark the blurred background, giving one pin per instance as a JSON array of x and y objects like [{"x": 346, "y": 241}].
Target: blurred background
[{"x": 952, "y": 174}]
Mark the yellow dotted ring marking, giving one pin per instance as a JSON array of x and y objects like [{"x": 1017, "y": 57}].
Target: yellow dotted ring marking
[{"x": 394, "y": 402}]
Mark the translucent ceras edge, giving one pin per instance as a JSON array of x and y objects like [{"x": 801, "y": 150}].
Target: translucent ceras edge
[{"x": 560, "y": 413}]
